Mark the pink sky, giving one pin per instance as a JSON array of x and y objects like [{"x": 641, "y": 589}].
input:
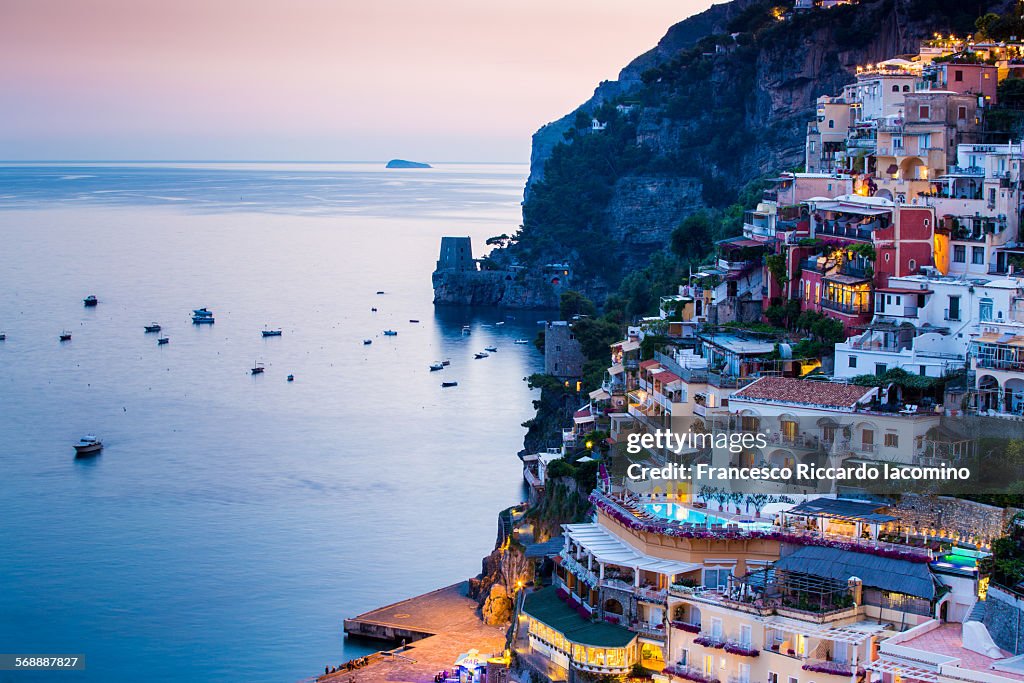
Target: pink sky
[{"x": 306, "y": 79}]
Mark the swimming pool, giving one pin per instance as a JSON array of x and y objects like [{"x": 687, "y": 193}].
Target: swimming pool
[
  {"x": 959, "y": 558},
  {"x": 688, "y": 515}
]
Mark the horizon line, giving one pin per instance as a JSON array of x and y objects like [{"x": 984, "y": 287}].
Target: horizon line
[{"x": 239, "y": 161}]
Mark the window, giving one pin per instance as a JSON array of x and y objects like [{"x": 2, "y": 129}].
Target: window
[
  {"x": 912, "y": 265},
  {"x": 895, "y": 88},
  {"x": 924, "y": 111},
  {"x": 811, "y": 143},
  {"x": 899, "y": 300},
  {"x": 961, "y": 113},
  {"x": 924, "y": 141},
  {"x": 716, "y": 628},
  {"x": 794, "y": 679},
  {"x": 978, "y": 255},
  {"x": 880, "y": 368},
  {"x": 743, "y": 671},
  {"x": 716, "y": 578},
  {"x": 897, "y": 142},
  {"x": 920, "y": 300},
  {"x": 773, "y": 677},
  {"x": 831, "y": 123},
  {"x": 892, "y": 440},
  {"x": 709, "y": 666},
  {"x": 922, "y": 370},
  {"x": 888, "y": 299},
  {"x": 958, "y": 76},
  {"x": 953, "y": 312},
  {"x": 853, "y": 361},
  {"x": 867, "y": 439},
  {"x": 745, "y": 635},
  {"x": 985, "y": 310},
  {"x": 959, "y": 253},
  {"x": 906, "y": 88}
]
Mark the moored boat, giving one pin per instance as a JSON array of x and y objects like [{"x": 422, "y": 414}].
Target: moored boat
[
  {"x": 3, "y": 336},
  {"x": 65, "y": 335},
  {"x": 291, "y": 378},
  {"x": 367, "y": 342},
  {"x": 480, "y": 354},
  {"x": 449, "y": 384},
  {"x": 521, "y": 341},
  {"x": 390, "y": 333},
  {"x": 492, "y": 349},
  {"x": 436, "y": 366},
  {"x": 466, "y": 329},
  {"x": 162, "y": 340},
  {"x": 153, "y": 327},
  {"x": 90, "y": 301},
  {"x": 257, "y": 368},
  {"x": 88, "y": 445},
  {"x": 446, "y": 362},
  {"x": 202, "y": 316},
  {"x": 271, "y": 333}
]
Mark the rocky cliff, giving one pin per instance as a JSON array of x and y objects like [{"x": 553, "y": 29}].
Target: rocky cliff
[{"x": 723, "y": 99}]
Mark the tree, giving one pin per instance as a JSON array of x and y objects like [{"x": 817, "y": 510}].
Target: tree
[
  {"x": 692, "y": 238},
  {"x": 572, "y": 304},
  {"x": 500, "y": 241}
]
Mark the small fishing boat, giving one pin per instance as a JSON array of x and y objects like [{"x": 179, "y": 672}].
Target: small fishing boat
[
  {"x": 373, "y": 310},
  {"x": 257, "y": 368},
  {"x": 90, "y": 301},
  {"x": 492, "y": 349},
  {"x": 271, "y": 333},
  {"x": 153, "y": 327},
  {"x": 380, "y": 291},
  {"x": 367, "y": 342},
  {"x": 413, "y": 320},
  {"x": 390, "y": 333},
  {"x": 436, "y": 366},
  {"x": 162, "y": 340},
  {"x": 521, "y": 341},
  {"x": 500, "y": 322},
  {"x": 449, "y": 384},
  {"x": 65, "y": 336},
  {"x": 88, "y": 445},
  {"x": 479, "y": 355},
  {"x": 3, "y": 336},
  {"x": 291, "y": 378},
  {"x": 446, "y": 363}
]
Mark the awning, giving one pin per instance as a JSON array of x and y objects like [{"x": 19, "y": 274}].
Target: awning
[
  {"x": 627, "y": 346},
  {"x": 902, "y": 290},
  {"x": 847, "y": 279},
  {"x": 599, "y": 395},
  {"x": 859, "y": 209},
  {"x": 606, "y": 547},
  {"x": 616, "y": 369},
  {"x": 739, "y": 242}
]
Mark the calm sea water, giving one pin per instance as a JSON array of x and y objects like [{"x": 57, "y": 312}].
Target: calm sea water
[{"x": 232, "y": 521}]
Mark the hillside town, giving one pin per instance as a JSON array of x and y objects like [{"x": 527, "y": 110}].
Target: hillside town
[{"x": 872, "y": 306}]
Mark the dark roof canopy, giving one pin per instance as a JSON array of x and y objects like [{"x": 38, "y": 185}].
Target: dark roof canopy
[
  {"x": 544, "y": 606},
  {"x": 841, "y": 508},
  {"x": 884, "y": 573}
]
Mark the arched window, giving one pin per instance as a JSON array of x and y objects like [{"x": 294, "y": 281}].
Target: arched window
[
  {"x": 895, "y": 88},
  {"x": 985, "y": 310}
]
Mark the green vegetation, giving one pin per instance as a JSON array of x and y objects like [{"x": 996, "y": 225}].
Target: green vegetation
[{"x": 1008, "y": 558}]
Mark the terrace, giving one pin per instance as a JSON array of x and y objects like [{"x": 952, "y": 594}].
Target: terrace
[{"x": 633, "y": 512}]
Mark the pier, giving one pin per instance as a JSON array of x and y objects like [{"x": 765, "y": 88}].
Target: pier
[{"x": 437, "y": 627}]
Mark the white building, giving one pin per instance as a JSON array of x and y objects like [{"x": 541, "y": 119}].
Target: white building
[{"x": 924, "y": 324}]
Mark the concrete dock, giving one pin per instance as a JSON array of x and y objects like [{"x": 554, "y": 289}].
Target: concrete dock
[{"x": 437, "y": 626}]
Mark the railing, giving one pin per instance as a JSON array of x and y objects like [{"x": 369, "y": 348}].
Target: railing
[
  {"x": 953, "y": 318},
  {"x": 812, "y": 265},
  {"x": 769, "y": 196},
  {"x": 831, "y": 228},
  {"x": 650, "y": 630},
  {"x": 852, "y": 309},
  {"x": 800, "y": 441},
  {"x": 652, "y": 594}
]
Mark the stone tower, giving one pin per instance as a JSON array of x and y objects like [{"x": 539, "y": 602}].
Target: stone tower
[{"x": 456, "y": 255}]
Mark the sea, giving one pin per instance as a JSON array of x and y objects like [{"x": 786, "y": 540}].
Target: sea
[{"x": 233, "y": 520}]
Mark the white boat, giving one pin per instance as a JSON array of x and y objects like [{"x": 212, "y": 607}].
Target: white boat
[
  {"x": 390, "y": 333},
  {"x": 480, "y": 355},
  {"x": 88, "y": 445},
  {"x": 153, "y": 327},
  {"x": 257, "y": 368},
  {"x": 492, "y": 349},
  {"x": 521, "y": 341},
  {"x": 466, "y": 329},
  {"x": 90, "y": 301},
  {"x": 436, "y": 366}
]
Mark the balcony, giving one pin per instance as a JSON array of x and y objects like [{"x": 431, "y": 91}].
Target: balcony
[
  {"x": 803, "y": 441},
  {"x": 838, "y": 230},
  {"x": 848, "y": 309},
  {"x": 655, "y": 631},
  {"x": 812, "y": 265}
]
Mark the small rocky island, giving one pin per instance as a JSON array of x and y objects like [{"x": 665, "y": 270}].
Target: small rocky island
[{"x": 403, "y": 163}]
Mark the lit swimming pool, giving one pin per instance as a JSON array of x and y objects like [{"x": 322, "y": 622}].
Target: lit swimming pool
[
  {"x": 687, "y": 515},
  {"x": 959, "y": 558}
]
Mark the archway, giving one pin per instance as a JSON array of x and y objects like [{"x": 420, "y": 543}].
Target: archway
[
  {"x": 613, "y": 606},
  {"x": 988, "y": 393},
  {"x": 912, "y": 168}
]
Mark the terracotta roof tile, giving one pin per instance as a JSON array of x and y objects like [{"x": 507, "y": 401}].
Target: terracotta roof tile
[{"x": 787, "y": 390}]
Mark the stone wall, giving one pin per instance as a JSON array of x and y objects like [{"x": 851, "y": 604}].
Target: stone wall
[
  {"x": 956, "y": 518},
  {"x": 563, "y": 356},
  {"x": 1004, "y": 619}
]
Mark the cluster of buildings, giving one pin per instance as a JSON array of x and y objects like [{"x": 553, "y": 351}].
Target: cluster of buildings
[{"x": 904, "y": 229}]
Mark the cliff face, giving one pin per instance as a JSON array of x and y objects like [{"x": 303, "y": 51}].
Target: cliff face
[
  {"x": 724, "y": 98},
  {"x": 494, "y": 288}
]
